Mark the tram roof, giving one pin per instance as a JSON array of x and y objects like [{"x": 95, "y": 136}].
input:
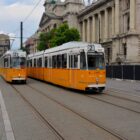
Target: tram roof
[
  {"x": 12, "y": 52},
  {"x": 71, "y": 45},
  {"x": 66, "y": 46},
  {"x": 36, "y": 54}
]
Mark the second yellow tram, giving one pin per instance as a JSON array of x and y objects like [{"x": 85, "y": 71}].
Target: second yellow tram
[{"x": 76, "y": 65}]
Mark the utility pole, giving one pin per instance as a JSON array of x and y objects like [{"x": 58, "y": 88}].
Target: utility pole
[{"x": 21, "y": 35}]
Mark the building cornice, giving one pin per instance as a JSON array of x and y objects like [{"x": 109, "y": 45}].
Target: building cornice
[
  {"x": 92, "y": 7},
  {"x": 47, "y": 17}
]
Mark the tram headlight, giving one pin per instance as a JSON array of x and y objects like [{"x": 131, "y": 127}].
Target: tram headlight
[{"x": 97, "y": 79}]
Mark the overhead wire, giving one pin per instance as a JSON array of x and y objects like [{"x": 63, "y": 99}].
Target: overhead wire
[
  {"x": 32, "y": 11},
  {"x": 26, "y": 18},
  {"x": 17, "y": 29}
]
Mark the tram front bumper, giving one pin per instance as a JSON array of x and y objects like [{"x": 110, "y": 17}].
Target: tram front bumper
[
  {"x": 18, "y": 78},
  {"x": 96, "y": 87}
]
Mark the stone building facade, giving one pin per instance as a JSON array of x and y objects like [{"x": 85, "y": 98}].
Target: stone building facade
[
  {"x": 4, "y": 43},
  {"x": 114, "y": 24},
  {"x": 31, "y": 44},
  {"x": 58, "y": 12}
]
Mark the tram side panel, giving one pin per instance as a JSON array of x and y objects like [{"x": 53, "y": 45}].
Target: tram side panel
[{"x": 60, "y": 77}]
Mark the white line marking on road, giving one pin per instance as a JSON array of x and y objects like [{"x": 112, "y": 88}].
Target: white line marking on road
[{"x": 7, "y": 124}]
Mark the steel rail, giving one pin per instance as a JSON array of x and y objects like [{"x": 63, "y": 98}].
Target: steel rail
[
  {"x": 43, "y": 119},
  {"x": 80, "y": 115},
  {"x": 121, "y": 91},
  {"x": 102, "y": 100}
]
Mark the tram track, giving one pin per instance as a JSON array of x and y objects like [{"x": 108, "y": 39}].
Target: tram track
[
  {"x": 102, "y": 98},
  {"x": 117, "y": 102},
  {"x": 124, "y": 93},
  {"x": 80, "y": 115},
  {"x": 39, "y": 115},
  {"x": 120, "y": 97}
]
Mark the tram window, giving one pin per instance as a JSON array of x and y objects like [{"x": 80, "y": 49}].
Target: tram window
[
  {"x": 64, "y": 61},
  {"x": 17, "y": 62},
  {"x": 91, "y": 62},
  {"x": 70, "y": 61},
  {"x": 96, "y": 61},
  {"x": 5, "y": 62},
  {"x": 82, "y": 60},
  {"x": 75, "y": 61},
  {"x": 22, "y": 61},
  {"x": 59, "y": 61},
  {"x": 34, "y": 62},
  {"x": 28, "y": 63},
  {"x": 54, "y": 61},
  {"x": 46, "y": 62},
  {"x": 39, "y": 62},
  {"x": 31, "y": 63}
]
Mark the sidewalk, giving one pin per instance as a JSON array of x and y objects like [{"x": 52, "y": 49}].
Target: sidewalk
[{"x": 132, "y": 87}]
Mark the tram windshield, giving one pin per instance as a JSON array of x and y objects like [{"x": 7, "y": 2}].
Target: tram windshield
[
  {"x": 18, "y": 62},
  {"x": 95, "y": 61}
]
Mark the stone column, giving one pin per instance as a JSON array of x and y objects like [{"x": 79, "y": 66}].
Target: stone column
[
  {"x": 117, "y": 13},
  {"x": 88, "y": 30},
  {"x": 100, "y": 27},
  {"x": 80, "y": 29},
  {"x": 113, "y": 21},
  {"x": 106, "y": 24},
  {"x": 93, "y": 29},
  {"x": 132, "y": 15},
  {"x": 83, "y": 31}
]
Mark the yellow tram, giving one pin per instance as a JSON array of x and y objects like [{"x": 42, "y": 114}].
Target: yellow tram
[
  {"x": 76, "y": 65},
  {"x": 13, "y": 66}
]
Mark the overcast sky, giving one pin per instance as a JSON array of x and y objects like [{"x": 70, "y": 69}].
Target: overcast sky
[{"x": 12, "y": 12}]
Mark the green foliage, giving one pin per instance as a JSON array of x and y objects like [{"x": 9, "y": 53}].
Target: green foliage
[
  {"x": 42, "y": 42},
  {"x": 63, "y": 34},
  {"x": 58, "y": 36}
]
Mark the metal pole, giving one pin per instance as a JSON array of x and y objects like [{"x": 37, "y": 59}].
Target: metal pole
[
  {"x": 21, "y": 35},
  {"x": 99, "y": 29}
]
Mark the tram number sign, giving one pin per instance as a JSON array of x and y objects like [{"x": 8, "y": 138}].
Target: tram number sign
[{"x": 91, "y": 47}]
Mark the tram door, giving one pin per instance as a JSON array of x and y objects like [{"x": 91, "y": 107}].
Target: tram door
[{"x": 73, "y": 64}]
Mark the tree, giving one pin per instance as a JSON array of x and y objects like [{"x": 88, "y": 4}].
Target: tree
[
  {"x": 42, "y": 42},
  {"x": 58, "y": 36},
  {"x": 64, "y": 34}
]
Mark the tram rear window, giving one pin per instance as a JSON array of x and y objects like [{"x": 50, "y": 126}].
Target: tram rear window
[{"x": 95, "y": 61}]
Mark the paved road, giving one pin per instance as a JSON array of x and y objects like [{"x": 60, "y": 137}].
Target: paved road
[
  {"x": 124, "y": 86},
  {"x": 27, "y": 125}
]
